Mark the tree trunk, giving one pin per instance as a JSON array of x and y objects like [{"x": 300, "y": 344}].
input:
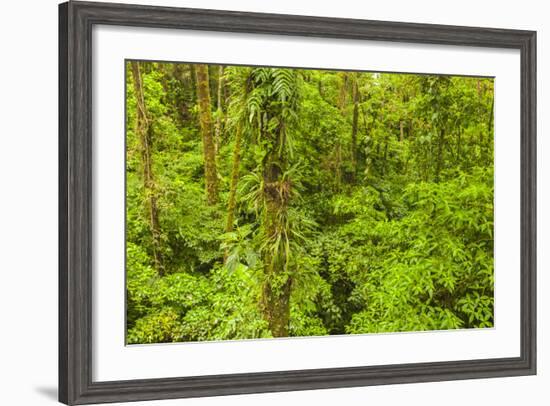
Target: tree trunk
[
  {"x": 277, "y": 285},
  {"x": 234, "y": 180},
  {"x": 276, "y": 195},
  {"x": 219, "y": 112},
  {"x": 205, "y": 113},
  {"x": 276, "y": 307},
  {"x": 343, "y": 95},
  {"x": 356, "y": 97},
  {"x": 144, "y": 131}
]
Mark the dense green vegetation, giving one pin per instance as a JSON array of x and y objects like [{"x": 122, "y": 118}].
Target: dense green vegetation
[{"x": 266, "y": 202}]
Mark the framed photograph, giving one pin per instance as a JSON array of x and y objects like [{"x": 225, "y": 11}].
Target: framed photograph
[{"x": 258, "y": 202}]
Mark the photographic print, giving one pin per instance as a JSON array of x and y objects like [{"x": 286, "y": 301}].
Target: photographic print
[
  {"x": 298, "y": 215},
  {"x": 266, "y": 202}
]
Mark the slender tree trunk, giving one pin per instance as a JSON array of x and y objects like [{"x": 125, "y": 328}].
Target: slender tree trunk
[
  {"x": 356, "y": 97},
  {"x": 205, "y": 113},
  {"x": 234, "y": 180},
  {"x": 219, "y": 111},
  {"x": 343, "y": 95},
  {"x": 401, "y": 131},
  {"x": 144, "y": 131}
]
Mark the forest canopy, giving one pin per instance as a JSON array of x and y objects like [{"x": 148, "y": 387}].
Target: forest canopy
[{"x": 269, "y": 202}]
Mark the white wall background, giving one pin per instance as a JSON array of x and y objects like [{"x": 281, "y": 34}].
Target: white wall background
[{"x": 28, "y": 201}]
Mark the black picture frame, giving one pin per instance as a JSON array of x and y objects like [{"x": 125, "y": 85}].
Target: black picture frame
[{"x": 76, "y": 20}]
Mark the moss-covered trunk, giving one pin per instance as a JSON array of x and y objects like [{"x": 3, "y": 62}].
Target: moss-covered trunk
[
  {"x": 209, "y": 148},
  {"x": 354, "y": 123},
  {"x": 219, "y": 110},
  {"x": 144, "y": 131},
  {"x": 277, "y": 283},
  {"x": 234, "y": 181},
  {"x": 232, "y": 200}
]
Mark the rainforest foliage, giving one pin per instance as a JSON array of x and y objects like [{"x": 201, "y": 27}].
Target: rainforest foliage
[{"x": 267, "y": 202}]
